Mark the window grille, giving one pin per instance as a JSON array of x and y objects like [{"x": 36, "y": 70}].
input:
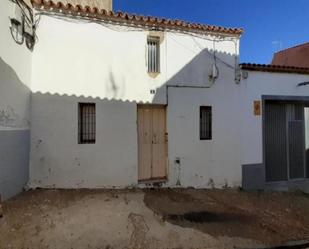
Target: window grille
[
  {"x": 153, "y": 44},
  {"x": 205, "y": 123},
  {"x": 86, "y": 123}
]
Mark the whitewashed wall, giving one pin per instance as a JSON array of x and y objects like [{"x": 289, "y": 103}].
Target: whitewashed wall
[
  {"x": 15, "y": 78},
  {"x": 92, "y": 60},
  {"x": 78, "y": 61},
  {"x": 205, "y": 163},
  {"x": 59, "y": 161},
  {"x": 74, "y": 60}
]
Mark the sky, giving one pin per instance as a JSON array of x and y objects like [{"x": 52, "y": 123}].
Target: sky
[{"x": 270, "y": 25}]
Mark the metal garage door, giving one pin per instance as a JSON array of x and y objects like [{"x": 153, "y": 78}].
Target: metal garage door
[{"x": 284, "y": 141}]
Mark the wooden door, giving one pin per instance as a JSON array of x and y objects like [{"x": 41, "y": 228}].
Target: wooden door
[{"x": 152, "y": 143}]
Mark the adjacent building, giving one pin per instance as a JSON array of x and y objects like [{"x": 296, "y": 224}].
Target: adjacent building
[{"x": 297, "y": 56}]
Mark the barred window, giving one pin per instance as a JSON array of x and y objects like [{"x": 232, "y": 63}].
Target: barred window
[
  {"x": 205, "y": 123},
  {"x": 86, "y": 123},
  {"x": 153, "y": 47}
]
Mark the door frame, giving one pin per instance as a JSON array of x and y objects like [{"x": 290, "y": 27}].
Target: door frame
[
  {"x": 153, "y": 180},
  {"x": 286, "y": 99}
]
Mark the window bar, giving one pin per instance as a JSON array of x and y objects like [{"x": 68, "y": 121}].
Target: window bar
[
  {"x": 151, "y": 58},
  {"x": 87, "y": 123},
  {"x": 79, "y": 125},
  {"x": 90, "y": 123},
  {"x": 83, "y": 123},
  {"x": 158, "y": 56},
  {"x": 148, "y": 50},
  {"x": 154, "y": 57},
  {"x": 92, "y": 120},
  {"x": 205, "y": 123}
]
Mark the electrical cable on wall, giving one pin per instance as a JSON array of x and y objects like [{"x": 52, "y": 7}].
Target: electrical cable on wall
[
  {"x": 23, "y": 29},
  {"x": 126, "y": 28}
]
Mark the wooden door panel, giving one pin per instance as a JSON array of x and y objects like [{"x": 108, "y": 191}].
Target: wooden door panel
[
  {"x": 159, "y": 144},
  {"x": 159, "y": 161},
  {"x": 152, "y": 144},
  {"x": 144, "y": 143},
  {"x": 145, "y": 163}
]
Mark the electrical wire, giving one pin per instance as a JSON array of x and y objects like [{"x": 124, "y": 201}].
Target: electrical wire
[
  {"x": 214, "y": 54},
  {"x": 129, "y": 28},
  {"x": 22, "y": 7},
  {"x": 28, "y": 20},
  {"x": 125, "y": 27},
  {"x": 204, "y": 49}
]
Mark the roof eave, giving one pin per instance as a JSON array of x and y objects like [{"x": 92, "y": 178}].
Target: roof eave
[
  {"x": 119, "y": 17},
  {"x": 273, "y": 68}
]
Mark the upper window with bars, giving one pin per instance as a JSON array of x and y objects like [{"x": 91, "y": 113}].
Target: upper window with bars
[
  {"x": 86, "y": 123},
  {"x": 153, "y": 49},
  {"x": 205, "y": 123}
]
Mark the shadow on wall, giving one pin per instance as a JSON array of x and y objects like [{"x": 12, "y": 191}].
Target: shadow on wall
[
  {"x": 57, "y": 160},
  {"x": 213, "y": 163},
  {"x": 15, "y": 99},
  {"x": 14, "y": 132},
  {"x": 196, "y": 73}
]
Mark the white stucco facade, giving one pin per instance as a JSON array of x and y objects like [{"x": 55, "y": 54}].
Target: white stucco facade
[
  {"x": 107, "y": 65},
  {"x": 79, "y": 60}
]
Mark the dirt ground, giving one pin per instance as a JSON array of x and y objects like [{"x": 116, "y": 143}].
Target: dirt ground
[
  {"x": 153, "y": 219},
  {"x": 271, "y": 218}
]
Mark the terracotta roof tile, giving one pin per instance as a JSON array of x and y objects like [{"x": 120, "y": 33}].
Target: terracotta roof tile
[
  {"x": 135, "y": 19},
  {"x": 274, "y": 68}
]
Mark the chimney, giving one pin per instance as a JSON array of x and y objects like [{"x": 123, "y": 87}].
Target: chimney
[{"x": 100, "y": 4}]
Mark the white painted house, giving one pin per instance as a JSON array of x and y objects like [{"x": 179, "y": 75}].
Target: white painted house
[{"x": 118, "y": 100}]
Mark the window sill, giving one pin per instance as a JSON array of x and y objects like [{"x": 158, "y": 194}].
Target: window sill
[{"x": 154, "y": 75}]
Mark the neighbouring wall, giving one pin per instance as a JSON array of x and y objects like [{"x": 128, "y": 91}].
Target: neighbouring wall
[
  {"x": 253, "y": 88},
  {"x": 15, "y": 71}
]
